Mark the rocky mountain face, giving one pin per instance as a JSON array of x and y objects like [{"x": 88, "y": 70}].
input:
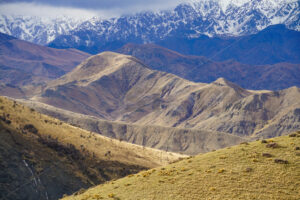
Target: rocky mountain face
[
  {"x": 201, "y": 69},
  {"x": 23, "y": 63},
  {"x": 121, "y": 88}
]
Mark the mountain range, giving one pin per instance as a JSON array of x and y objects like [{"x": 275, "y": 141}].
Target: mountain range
[{"x": 188, "y": 20}]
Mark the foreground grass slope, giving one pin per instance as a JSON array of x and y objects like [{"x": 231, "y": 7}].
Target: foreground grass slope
[
  {"x": 44, "y": 158},
  {"x": 267, "y": 169}
]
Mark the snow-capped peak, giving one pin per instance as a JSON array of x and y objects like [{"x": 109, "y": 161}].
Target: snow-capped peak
[{"x": 191, "y": 19}]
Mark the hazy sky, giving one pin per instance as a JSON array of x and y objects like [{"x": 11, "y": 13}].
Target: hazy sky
[{"x": 83, "y": 8}]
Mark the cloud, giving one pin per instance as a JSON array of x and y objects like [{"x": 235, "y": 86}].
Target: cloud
[
  {"x": 82, "y": 8},
  {"x": 97, "y": 4}
]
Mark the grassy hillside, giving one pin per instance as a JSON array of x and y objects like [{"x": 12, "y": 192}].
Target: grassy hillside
[
  {"x": 266, "y": 169},
  {"x": 44, "y": 158}
]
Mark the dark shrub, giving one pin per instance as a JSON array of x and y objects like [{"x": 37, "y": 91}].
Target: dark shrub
[
  {"x": 293, "y": 135},
  {"x": 272, "y": 145},
  {"x": 267, "y": 155},
  {"x": 30, "y": 128},
  {"x": 280, "y": 161},
  {"x": 249, "y": 169}
]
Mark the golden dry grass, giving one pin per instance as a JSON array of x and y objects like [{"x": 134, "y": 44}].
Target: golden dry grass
[
  {"x": 239, "y": 172},
  {"x": 123, "y": 152}
]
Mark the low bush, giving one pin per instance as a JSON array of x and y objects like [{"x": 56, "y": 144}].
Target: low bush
[
  {"x": 272, "y": 145},
  {"x": 280, "y": 161}
]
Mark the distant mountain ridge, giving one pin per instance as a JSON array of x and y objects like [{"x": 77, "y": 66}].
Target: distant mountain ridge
[
  {"x": 201, "y": 69},
  {"x": 271, "y": 45}
]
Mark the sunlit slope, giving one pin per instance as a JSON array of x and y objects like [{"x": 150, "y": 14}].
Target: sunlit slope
[
  {"x": 258, "y": 170},
  {"x": 20, "y": 116}
]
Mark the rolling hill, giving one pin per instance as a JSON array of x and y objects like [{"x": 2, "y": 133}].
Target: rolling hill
[
  {"x": 116, "y": 87},
  {"x": 200, "y": 69},
  {"x": 44, "y": 158},
  {"x": 257, "y": 170}
]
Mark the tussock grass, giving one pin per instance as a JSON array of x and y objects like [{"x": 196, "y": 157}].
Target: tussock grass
[{"x": 239, "y": 172}]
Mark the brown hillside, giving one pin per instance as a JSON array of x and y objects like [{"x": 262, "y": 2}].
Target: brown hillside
[
  {"x": 120, "y": 88},
  {"x": 24, "y": 63}
]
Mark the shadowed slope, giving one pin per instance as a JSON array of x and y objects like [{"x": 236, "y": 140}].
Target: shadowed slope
[{"x": 44, "y": 158}]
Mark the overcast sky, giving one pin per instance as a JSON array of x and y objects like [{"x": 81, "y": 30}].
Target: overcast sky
[{"x": 83, "y": 8}]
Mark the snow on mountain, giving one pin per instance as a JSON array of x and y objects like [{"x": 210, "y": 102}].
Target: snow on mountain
[
  {"x": 36, "y": 29},
  {"x": 191, "y": 19}
]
